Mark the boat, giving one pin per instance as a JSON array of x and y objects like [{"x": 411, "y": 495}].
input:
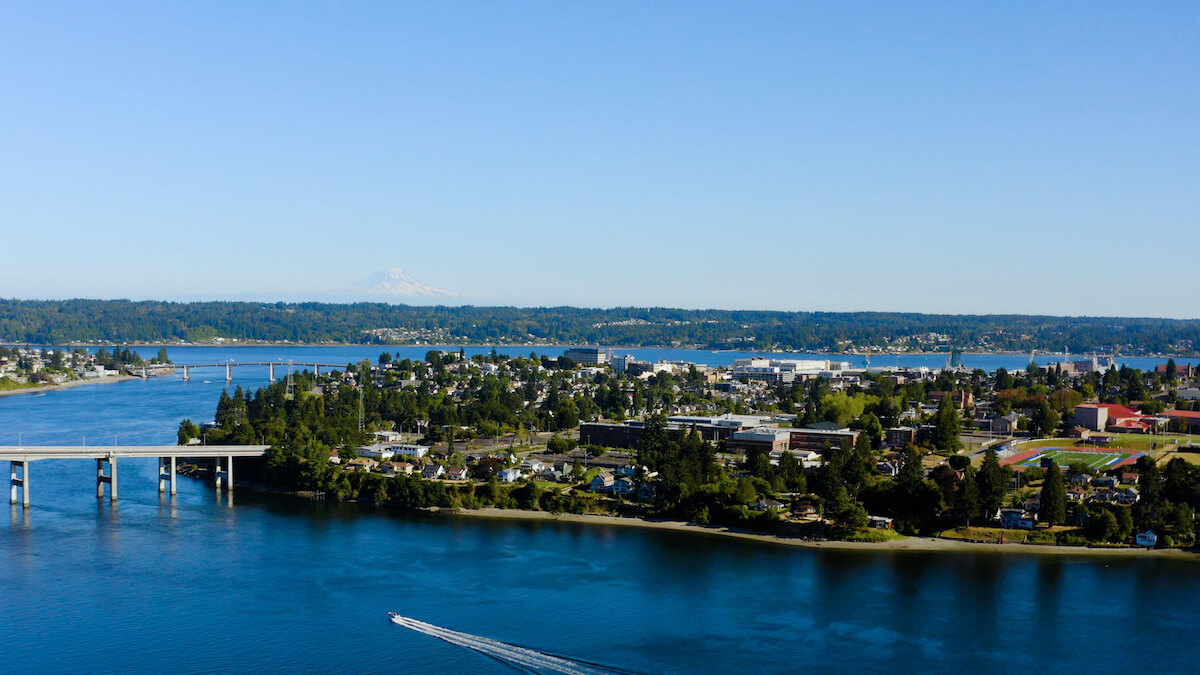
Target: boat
[{"x": 395, "y": 618}]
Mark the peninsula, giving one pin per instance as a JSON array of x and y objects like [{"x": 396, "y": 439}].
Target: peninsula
[{"x": 1078, "y": 454}]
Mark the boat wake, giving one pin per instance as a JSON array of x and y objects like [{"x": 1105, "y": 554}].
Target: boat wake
[{"x": 527, "y": 659}]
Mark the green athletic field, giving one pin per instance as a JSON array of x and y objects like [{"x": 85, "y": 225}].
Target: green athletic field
[{"x": 1098, "y": 460}]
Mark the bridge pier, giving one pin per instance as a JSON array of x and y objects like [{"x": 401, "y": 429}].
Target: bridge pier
[
  {"x": 223, "y": 477},
  {"x": 186, "y": 375},
  {"x": 271, "y": 373},
  {"x": 111, "y": 478},
  {"x": 229, "y": 372},
  {"x": 316, "y": 370},
  {"x": 22, "y": 482},
  {"x": 166, "y": 473}
]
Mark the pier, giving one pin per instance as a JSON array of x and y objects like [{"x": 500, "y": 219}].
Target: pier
[{"x": 20, "y": 458}]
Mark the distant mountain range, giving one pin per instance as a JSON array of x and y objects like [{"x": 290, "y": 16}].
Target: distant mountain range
[{"x": 393, "y": 285}]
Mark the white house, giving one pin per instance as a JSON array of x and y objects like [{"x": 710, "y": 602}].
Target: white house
[
  {"x": 415, "y": 451},
  {"x": 509, "y": 475}
]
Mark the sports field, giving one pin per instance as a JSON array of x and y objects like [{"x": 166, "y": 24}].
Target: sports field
[{"x": 1099, "y": 460}]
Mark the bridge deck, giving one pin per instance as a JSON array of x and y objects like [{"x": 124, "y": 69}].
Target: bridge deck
[{"x": 31, "y": 453}]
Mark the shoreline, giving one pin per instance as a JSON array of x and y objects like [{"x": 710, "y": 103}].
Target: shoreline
[
  {"x": 68, "y": 385},
  {"x": 912, "y": 544}
]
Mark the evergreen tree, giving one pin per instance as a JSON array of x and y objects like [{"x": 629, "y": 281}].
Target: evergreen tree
[
  {"x": 947, "y": 426},
  {"x": 992, "y": 481},
  {"x": 968, "y": 497},
  {"x": 1054, "y": 496}
]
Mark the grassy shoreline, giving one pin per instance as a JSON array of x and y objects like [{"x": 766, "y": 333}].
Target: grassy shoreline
[{"x": 900, "y": 544}]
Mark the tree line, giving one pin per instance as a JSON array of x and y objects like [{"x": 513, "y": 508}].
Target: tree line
[{"x": 119, "y": 321}]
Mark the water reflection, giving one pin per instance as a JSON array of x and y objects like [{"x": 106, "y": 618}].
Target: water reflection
[{"x": 19, "y": 516}]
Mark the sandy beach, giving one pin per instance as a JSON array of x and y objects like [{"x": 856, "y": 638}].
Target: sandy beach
[{"x": 905, "y": 544}]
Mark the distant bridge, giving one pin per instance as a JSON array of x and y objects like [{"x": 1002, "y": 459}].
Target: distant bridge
[
  {"x": 106, "y": 456},
  {"x": 149, "y": 370}
]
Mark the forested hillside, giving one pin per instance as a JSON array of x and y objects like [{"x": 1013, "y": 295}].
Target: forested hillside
[{"x": 120, "y": 321}]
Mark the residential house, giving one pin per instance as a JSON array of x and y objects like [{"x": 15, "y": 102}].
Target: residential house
[
  {"x": 432, "y": 471},
  {"x": 456, "y": 473},
  {"x": 767, "y": 505},
  {"x": 804, "y": 507},
  {"x": 1005, "y": 425},
  {"x": 1017, "y": 519},
  {"x": 623, "y": 486},
  {"x": 532, "y": 466},
  {"x": 361, "y": 464},
  {"x": 880, "y": 522},
  {"x": 396, "y": 468},
  {"x": 602, "y": 482},
  {"x": 509, "y": 475}
]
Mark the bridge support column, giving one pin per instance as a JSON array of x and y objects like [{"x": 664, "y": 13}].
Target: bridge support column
[
  {"x": 186, "y": 375},
  {"x": 223, "y": 474},
  {"x": 111, "y": 478},
  {"x": 166, "y": 473},
  {"x": 316, "y": 370},
  {"x": 271, "y": 372},
  {"x": 229, "y": 372},
  {"x": 22, "y": 482}
]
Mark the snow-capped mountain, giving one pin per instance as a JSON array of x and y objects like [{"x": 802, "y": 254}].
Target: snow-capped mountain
[{"x": 395, "y": 285}]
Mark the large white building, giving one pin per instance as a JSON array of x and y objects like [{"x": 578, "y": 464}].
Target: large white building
[{"x": 784, "y": 370}]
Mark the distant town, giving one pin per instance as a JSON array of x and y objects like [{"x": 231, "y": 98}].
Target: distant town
[
  {"x": 29, "y": 367},
  {"x": 1080, "y": 452}
]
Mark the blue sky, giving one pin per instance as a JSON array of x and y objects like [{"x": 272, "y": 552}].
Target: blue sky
[{"x": 957, "y": 157}]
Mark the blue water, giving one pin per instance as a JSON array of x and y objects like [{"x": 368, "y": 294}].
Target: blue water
[
  {"x": 345, "y": 354},
  {"x": 203, "y": 583}
]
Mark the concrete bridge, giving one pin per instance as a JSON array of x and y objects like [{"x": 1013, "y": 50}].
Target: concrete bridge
[
  {"x": 19, "y": 457},
  {"x": 149, "y": 369}
]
